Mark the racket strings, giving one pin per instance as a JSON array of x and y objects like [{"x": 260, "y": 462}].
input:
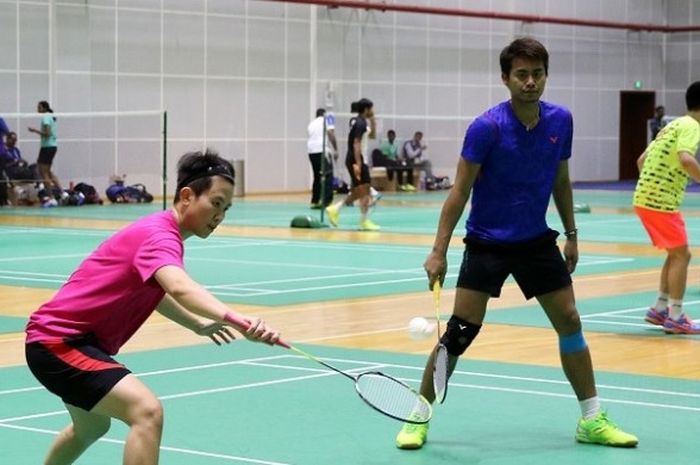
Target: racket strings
[
  {"x": 440, "y": 373},
  {"x": 393, "y": 398},
  {"x": 440, "y": 370}
]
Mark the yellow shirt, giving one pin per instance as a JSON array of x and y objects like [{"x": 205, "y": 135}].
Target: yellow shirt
[{"x": 662, "y": 182}]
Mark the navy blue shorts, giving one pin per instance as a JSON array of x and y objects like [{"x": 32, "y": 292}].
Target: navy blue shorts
[
  {"x": 364, "y": 173},
  {"x": 537, "y": 266},
  {"x": 46, "y": 155},
  {"x": 75, "y": 369}
]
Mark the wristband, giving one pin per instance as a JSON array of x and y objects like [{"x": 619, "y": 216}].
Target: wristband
[{"x": 570, "y": 233}]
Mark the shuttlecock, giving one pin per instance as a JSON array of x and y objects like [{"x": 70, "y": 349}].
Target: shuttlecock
[{"x": 420, "y": 328}]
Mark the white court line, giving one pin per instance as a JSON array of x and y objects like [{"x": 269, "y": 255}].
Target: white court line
[
  {"x": 280, "y": 264},
  {"x": 504, "y": 377},
  {"x": 321, "y": 288},
  {"x": 64, "y": 232},
  {"x": 630, "y": 310},
  {"x": 42, "y": 257},
  {"x": 232, "y": 458},
  {"x": 631, "y": 219},
  {"x": 222, "y": 245},
  {"x": 316, "y": 278},
  {"x": 604, "y": 261},
  {"x": 323, "y": 374},
  {"x": 570, "y": 396},
  {"x": 188, "y": 394},
  {"x": 172, "y": 370},
  {"x": 382, "y": 364},
  {"x": 618, "y": 323},
  {"x": 25, "y": 278},
  {"x": 30, "y": 273}
]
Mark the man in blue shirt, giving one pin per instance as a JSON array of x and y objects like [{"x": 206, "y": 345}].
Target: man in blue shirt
[
  {"x": 3, "y": 186},
  {"x": 12, "y": 162},
  {"x": 4, "y": 130},
  {"x": 514, "y": 157}
]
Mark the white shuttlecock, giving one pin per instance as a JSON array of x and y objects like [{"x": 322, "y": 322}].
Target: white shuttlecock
[{"x": 420, "y": 328}]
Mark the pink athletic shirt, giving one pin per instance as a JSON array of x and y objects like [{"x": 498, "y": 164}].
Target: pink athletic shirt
[{"x": 113, "y": 291}]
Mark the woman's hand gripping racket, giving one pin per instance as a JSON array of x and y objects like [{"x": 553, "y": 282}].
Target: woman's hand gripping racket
[
  {"x": 441, "y": 359},
  {"x": 380, "y": 391}
]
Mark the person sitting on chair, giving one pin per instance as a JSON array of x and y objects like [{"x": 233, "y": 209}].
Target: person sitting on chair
[{"x": 413, "y": 155}]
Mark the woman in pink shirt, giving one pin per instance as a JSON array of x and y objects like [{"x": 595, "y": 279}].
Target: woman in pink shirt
[{"x": 71, "y": 339}]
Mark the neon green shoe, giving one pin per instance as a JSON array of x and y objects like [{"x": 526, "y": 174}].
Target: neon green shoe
[
  {"x": 333, "y": 215},
  {"x": 412, "y": 436},
  {"x": 601, "y": 430},
  {"x": 368, "y": 225}
]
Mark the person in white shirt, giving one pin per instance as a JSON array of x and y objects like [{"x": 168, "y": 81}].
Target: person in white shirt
[
  {"x": 413, "y": 155},
  {"x": 322, "y": 167}
]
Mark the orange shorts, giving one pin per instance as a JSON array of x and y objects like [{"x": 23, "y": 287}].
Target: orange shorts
[{"x": 666, "y": 229}]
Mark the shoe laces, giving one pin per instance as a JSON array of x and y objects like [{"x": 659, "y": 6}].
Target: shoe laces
[
  {"x": 602, "y": 422},
  {"x": 411, "y": 428}
]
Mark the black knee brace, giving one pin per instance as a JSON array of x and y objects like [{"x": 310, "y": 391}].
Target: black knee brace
[{"x": 459, "y": 335}]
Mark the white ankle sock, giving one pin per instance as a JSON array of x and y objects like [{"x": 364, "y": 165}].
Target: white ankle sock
[
  {"x": 589, "y": 407},
  {"x": 661, "y": 302},
  {"x": 675, "y": 308}
]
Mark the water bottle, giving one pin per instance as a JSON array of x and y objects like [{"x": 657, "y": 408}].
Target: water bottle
[{"x": 422, "y": 180}]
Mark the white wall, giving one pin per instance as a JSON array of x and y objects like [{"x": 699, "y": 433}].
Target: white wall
[
  {"x": 237, "y": 75},
  {"x": 682, "y": 55}
]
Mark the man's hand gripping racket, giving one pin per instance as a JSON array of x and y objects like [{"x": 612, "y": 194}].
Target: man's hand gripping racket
[{"x": 385, "y": 394}]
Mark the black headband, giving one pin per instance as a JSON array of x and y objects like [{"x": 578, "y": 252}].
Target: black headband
[{"x": 212, "y": 170}]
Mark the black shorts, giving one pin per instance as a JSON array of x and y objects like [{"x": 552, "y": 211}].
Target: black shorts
[
  {"x": 364, "y": 173},
  {"x": 46, "y": 155},
  {"x": 537, "y": 266},
  {"x": 74, "y": 369}
]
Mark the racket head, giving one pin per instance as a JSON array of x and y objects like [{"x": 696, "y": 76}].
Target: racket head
[
  {"x": 441, "y": 359},
  {"x": 440, "y": 369},
  {"x": 393, "y": 398}
]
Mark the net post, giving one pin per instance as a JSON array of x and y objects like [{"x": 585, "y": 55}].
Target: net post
[
  {"x": 164, "y": 175},
  {"x": 323, "y": 170}
]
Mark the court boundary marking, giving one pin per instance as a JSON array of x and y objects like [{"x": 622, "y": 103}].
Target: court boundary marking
[{"x": 322, "y": 373}]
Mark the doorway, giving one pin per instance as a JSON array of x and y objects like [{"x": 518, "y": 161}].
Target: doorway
[{"x": 636, "y": 108}]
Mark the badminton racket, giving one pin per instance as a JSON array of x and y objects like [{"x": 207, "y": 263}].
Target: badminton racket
[{"x": 385, "y": 394}]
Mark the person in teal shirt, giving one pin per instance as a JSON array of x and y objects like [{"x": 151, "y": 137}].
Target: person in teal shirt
[
  {"x": 390, "y": 148},
  {"x": 49, "y": 146},
  {"x": 390, "y": 152}
]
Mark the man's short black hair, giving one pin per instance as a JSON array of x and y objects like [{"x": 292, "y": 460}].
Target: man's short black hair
[
  {"x": 320, "y": 112},
  {"x": 361, "y": 105},
  {"x": 692, "y": 96},
  {"x": 525, "y": 47},
  {"x": 195, "y": 170}
]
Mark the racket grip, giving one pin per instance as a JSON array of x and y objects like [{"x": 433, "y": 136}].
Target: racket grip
[
  {"x": 244, "y": 324},
  {"x": 437, "y": 287}
]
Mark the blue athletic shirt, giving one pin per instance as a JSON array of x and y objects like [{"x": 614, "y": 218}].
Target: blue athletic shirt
[
  {"x": 4, "y": 130},
  {"x": 511, "y": 194}
]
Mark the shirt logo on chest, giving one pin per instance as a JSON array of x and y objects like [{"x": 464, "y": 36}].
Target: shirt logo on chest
[{"x": 553, "y": 139}]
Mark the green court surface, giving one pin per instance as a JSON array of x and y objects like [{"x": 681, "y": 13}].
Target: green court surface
[
  {"x": 12, "y": 324},
  {"x": 258, "y": 270},
  {"x": 249, "y": 403},
  {"x": 414, "y": 213},
  {"x": 623, "y": 313}
]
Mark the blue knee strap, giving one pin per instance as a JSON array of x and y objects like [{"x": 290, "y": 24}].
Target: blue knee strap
[{"x": 572, "y": 343}]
